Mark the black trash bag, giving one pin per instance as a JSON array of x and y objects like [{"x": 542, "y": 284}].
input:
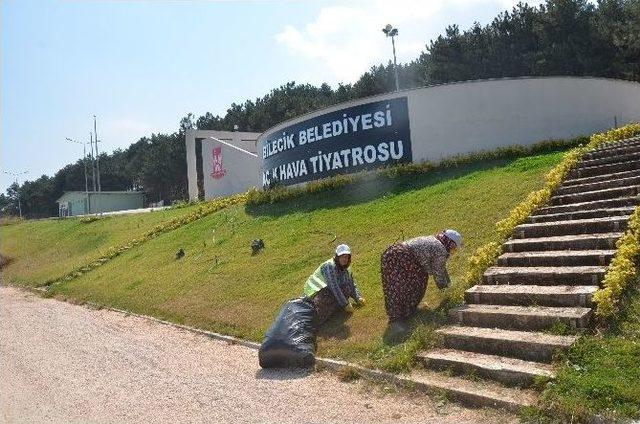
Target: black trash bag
[{"x": 291, "y": 339}]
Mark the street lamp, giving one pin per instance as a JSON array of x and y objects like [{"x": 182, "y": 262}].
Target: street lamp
[
  {"x": 16, "y": 174},
  {"x": 390, "y": 31}
]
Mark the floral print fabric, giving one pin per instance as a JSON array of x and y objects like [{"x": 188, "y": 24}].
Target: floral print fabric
[{"x": 403, "y": 282}]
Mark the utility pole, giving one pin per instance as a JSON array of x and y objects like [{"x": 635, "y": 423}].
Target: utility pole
[
  {"x": 86, "y": 180},
  {"x": 390, "y": 31},
  {"x": 95, "y": 132},
  {"x": 93, "y": 163},
  {"x": 17, "y": 174},
  {"x": 84, "y": 161}
]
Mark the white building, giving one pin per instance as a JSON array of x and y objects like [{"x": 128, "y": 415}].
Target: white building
[{"x": 73, "y": 203}]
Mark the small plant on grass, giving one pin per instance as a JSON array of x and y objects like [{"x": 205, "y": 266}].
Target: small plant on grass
[
  {"x": 91, "y": 218},
  {"x": 558, "y": 328},
  {"x": 348, "y": 374},
  {"x": 4, "y": 261}
]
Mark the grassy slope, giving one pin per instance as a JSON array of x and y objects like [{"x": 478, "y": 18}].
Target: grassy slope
[
  {"x": 48, "y": 249},
  {"x": 600, "y": 373},
  {"x": 218, "y": 285}
]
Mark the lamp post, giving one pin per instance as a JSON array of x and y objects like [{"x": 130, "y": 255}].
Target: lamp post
[
  {"x": 390, "y": 31},
  {"x": 16, "y": 174}
]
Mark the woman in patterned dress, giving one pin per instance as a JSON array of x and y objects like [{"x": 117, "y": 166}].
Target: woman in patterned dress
[{"x": 405, "y": 268}]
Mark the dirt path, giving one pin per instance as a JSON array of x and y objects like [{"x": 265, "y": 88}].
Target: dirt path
[{"x": 66, "y": 363}]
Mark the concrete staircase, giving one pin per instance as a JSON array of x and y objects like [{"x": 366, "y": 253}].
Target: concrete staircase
[{"x": 547, "y": 275}]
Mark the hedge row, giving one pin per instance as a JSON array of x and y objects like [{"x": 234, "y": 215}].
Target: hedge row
[
  {"x": 622, "y": 271},
  {"x": 204, "y": 209},
  {"x": 486, "y": 255},
  {"x": 280, "y": 193}
]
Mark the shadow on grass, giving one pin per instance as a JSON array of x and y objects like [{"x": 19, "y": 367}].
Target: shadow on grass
[
  {"x": 427, "y": 315},
  {"x": 281, "y": 374},
  {"x": 336, "y": 327},
  {"x": 368, "y": 187}
]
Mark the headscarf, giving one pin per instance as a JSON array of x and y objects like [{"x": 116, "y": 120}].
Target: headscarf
[{"x": 448, "y": 244}]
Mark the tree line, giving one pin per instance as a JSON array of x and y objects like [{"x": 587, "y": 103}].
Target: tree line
[{"x": 559, "y": 37}]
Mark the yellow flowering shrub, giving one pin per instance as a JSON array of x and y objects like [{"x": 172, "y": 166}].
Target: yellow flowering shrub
[
  {"x": 622, "y": 270},
  {"x": 486, "y": 255}
]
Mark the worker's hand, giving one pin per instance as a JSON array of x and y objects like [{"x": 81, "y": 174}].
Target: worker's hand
[
  {"x": 441, "y": 287},
  {"x": 442, "y": 284},
  {"x": 361, "y": 302},
  {"x": 348, "y": 309}
]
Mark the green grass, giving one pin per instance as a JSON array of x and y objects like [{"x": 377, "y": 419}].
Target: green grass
[
  {"x": 44, "y": 250},
  {"x": 600, "y": 375},
  {"x": 219, "y": 286}
]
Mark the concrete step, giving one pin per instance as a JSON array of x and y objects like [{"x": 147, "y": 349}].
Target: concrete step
[
  {"x": 530, "y": 318},
  {"x": 485, "y": 393},
  {"x": 612, "y": 157},
  {"x": 603, "y": 241},
  {"x": 525, "y": 295},
  {"x": 510, "y": 371},
  {"x": 604, "y": 169},
  {"x": 599, "y": 185},
  {"x": 617, "y": 144},
  {"x": 545, "y": 276},
  {"x": 613, "y": 151},
  {"x": 587, "y": 196},
  {"x": 606, "y": 224},
  {"x": 530, "y": 346},
  {"x": 557, "y": 258},
  {"x": 600, "y": 178},
  {"x": 570, "y": 216},
  {"x": 598, "y": 204}
]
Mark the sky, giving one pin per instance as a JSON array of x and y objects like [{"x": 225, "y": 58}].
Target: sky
[{"x": 140, "y": 66}]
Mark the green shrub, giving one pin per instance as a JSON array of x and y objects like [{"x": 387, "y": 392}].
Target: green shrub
[
  {"x": 280, "y": 193},
  {"x": 622, "y": 271},
  {"x": 486, "y": 256}
]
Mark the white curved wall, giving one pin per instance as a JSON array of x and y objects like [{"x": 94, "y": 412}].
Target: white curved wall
[{"x": 470, "y": 116}]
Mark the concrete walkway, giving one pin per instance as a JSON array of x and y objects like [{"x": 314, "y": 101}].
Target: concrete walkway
[{"x": 65, "y": 363}]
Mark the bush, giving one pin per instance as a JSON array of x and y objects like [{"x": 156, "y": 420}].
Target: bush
[
  {"x": 622, "y": 271},
  {"x": 280, "y": 193},
  {"x": 486, "y": 256}
]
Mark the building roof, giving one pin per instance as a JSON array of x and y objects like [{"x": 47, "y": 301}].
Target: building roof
[
  {"x": 242, "y": 139},
  {"x": 94, "y": 193}
]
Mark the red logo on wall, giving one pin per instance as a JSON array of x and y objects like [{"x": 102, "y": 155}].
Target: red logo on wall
[{"x": 218, "y": 171}]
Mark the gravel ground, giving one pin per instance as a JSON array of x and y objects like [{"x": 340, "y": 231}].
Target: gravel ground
[{"x": 66, "y": 363}]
